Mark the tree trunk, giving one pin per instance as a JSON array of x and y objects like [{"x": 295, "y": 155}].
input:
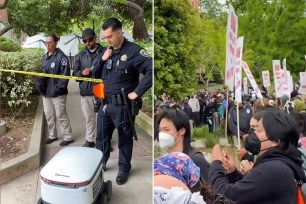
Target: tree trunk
[{"x": 136, "y": 12}]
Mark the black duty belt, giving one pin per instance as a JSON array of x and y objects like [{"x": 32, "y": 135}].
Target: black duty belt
[{"x": 114, "y": 99}]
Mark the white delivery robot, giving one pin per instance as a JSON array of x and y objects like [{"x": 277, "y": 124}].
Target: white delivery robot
[{"x": 74, "y": 175}]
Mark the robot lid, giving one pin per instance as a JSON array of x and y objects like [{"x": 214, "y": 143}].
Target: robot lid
[{"x": 72, "y": 166}]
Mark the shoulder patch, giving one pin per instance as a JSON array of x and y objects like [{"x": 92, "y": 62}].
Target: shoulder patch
[
  {"x": 144, "y": 53},
  {"x": 64, "y": 61}
]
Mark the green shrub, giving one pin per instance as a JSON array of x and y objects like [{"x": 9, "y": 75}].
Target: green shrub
[
  {"x": 147, "y": 102},
  {"x": 8, "y": 45},
  {"x": 200, "y": 132},
  {"x": 210, "y": 138},
  {"x": 15, "y": 88}
]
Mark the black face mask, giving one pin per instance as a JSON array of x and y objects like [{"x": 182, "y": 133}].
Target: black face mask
[{"x": 253, "y": 144}]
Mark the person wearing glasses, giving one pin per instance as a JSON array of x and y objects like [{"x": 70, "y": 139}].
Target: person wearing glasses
[
  {"x": 55, "y": 91},
  {"x": 86, "y": 63},
  {"x": 122, "y": 64}
]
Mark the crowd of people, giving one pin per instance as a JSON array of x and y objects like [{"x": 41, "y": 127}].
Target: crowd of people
[{"x": 272, "y": 133}]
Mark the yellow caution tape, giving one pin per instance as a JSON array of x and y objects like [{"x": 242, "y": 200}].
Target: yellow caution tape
[{"x": 52, "y": 75}]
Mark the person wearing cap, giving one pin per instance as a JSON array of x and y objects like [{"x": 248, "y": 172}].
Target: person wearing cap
[
  {"x": 54, "y": 92},
  {"x": 86, "y": 63},
  {"x": 122, "y": 64}
]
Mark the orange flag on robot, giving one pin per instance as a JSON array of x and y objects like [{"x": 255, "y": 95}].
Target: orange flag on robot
[{"x": 98, "y": 91}]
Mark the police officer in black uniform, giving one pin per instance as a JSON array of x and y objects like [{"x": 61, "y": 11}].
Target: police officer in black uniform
[
  {"x": 86, "y": 63},
  {"x": 122, "y": 63}
]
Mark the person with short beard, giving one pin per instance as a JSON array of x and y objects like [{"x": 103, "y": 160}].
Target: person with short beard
[{"x": 86, "y": 63}]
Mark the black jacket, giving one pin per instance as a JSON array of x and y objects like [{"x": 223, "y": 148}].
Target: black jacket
[
  {"x": 188, "y": 110},
  {"x": 126, "y": 65},
  {"x": 245, "y": 115},
  {"x": 58, "y": 64},
  {"x": 85, "y": 59},
  {"x": 271, "y": 181}
]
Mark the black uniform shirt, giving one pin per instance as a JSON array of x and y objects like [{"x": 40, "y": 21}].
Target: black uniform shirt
[{"x": 122, "y": 70}]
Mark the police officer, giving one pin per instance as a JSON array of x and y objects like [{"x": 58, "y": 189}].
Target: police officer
[
  {"x": 55, "y": 92},
  {"x": 87, "y": 62},
  {"x": 122, "y": 63}
]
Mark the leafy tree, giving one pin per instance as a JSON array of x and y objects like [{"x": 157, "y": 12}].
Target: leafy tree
[
  {"x": 64, "y": 16},
  {"x": 177, "y": 47},
  {"x": 273, "y": 29},
  {"x": 137, "y": 13},
  {"x": 52, "y": 16},
  {"x": 211, "y": 8},
  {"x": 213, "y": 57}
]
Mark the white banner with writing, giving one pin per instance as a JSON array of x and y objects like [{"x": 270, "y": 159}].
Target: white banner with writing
[
  {"x": 251, "y": 79},
  {"x": 231, "y": 38}
]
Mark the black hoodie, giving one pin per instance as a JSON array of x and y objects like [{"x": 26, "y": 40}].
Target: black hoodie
[{"x": 271, "y": 181}]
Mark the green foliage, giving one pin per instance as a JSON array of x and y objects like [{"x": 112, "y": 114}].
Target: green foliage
[
  {"x": 147, "y": 101},
  {"x": 52, "y": 16},
  {"x": 8, "y": 45},
  {"x": 210, "y": 138},
  {"x": 273, "y": 30},
  {"x": 66, "y": 16},
  {"x": 15, "y": 88},
  {"x": 177, "y": 47},
  {"x": 105, "y": 9}
]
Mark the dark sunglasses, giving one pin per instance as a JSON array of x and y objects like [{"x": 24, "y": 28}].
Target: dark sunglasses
[{"x": 88, "y": 41}]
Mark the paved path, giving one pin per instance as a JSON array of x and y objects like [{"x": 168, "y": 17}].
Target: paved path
[{"x": 137, "y": 190}]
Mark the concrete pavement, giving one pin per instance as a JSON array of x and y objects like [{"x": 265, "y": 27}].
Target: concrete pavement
[{"x": 138, "y": 189}]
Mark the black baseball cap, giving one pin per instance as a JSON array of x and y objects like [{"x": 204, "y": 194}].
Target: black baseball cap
[{"x": 88, "y": 32}]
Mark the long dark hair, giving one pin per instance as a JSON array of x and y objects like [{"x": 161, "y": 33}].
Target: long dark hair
[
  {"x": 209, "y": 195},
  {"x": 180, "y": 120}
]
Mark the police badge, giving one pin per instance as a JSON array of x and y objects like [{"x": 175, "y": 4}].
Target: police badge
[
  {"x": 123, "y": 58},
  {"x": 144, "y": 53},
  {"x": 64, "y": 62},
  {"x": 52, "y": 65}
]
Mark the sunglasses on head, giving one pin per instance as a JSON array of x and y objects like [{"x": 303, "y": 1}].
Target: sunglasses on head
[{"x": 88, "y": 41}]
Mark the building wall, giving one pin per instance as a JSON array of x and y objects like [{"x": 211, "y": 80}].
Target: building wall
[
  {"x": 3, "y": 13},
  {"x": 195, "y": 4},
  {"x": 4, "y": 17}
]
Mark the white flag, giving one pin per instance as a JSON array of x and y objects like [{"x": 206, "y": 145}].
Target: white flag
[
  {"x": 278, "y": 79},
  {"x": 251, "y": 79},
  {"x": 238, "y": 71},
  {"x": 245, "y": 85},
  {"x": 266, "y": 78},
  {"x": 231, "y": 38}
]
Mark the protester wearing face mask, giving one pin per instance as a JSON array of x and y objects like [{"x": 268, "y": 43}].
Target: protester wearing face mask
[
  {"x": 277, "y": 167},
  {"x": 175, "y": 136},
  {"x": 242, "y": 153}
]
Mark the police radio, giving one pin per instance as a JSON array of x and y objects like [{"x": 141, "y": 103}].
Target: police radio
[{"x": 109, "y": 64}]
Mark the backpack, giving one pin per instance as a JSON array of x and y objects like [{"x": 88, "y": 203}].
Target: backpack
[{"x": 301, "y": 187}]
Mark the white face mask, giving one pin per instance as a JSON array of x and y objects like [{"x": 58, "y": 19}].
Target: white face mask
[{"x": 166, "y": 141}]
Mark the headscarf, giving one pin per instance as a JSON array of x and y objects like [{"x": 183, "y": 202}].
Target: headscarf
[{"x": 178, "y": 165}]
